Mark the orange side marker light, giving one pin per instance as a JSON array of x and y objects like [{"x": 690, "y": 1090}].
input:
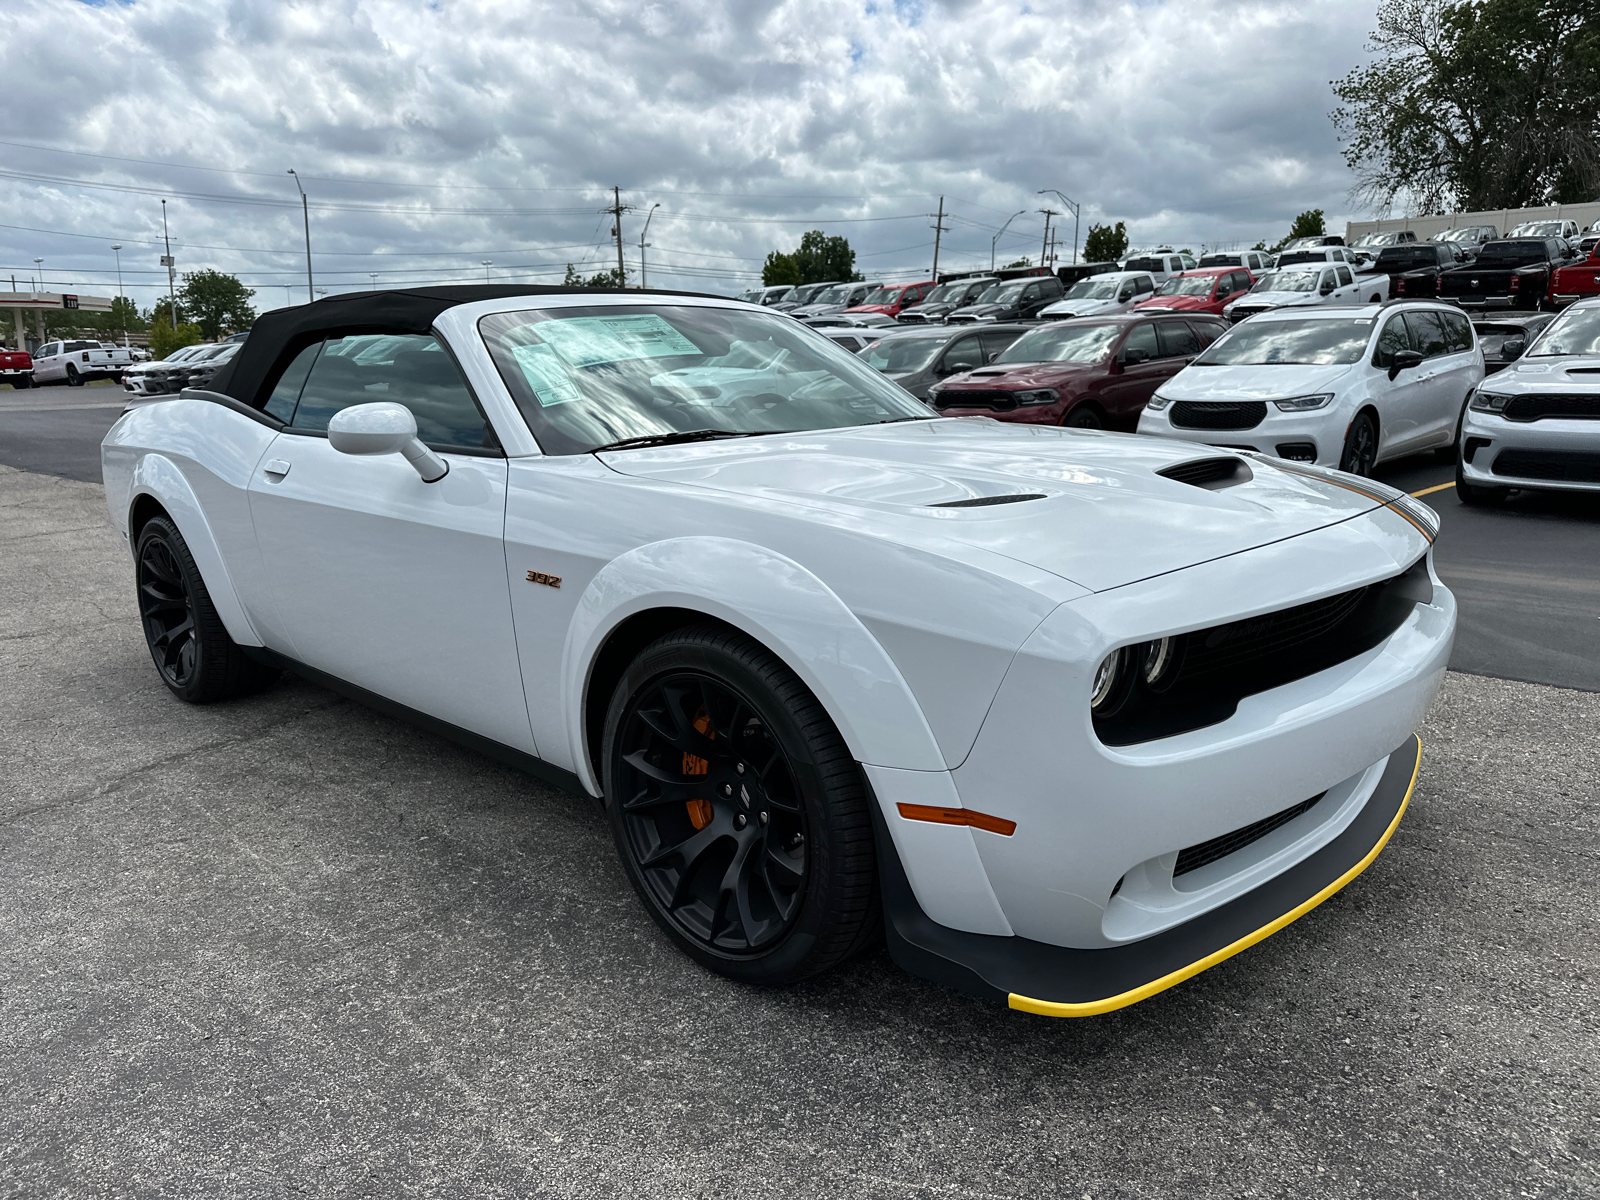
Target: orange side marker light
[{"x": 957, "y": 816}]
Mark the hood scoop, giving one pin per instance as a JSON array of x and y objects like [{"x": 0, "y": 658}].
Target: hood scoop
[
  {"x": 1213, "y": 474},
  {"x": 986, "y": 501},
  {"x": 1583, "y": 370},
  {"x": 990, "y": 371}
]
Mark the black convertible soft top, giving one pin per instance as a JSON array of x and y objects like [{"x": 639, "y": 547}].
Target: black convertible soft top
[{"x": 280, "y": 334}]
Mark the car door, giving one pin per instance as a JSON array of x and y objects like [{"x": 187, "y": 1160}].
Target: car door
[
  {"x": 377, "y": 578},
  {"x": 1460, "y": 370},
  {"x": 47, "y": 363},
  {"x": 1401, "y": 401},
  {"x": 964, "y": 353},
  {"x": 1136, "y": 371}
]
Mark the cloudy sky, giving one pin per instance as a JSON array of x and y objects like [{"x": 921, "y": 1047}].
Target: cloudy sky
[{"x": 432, "y": 136}]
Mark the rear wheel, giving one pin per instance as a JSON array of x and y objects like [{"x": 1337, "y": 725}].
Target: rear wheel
[
  {"x": 192, "y": 651},
  {"x": 73, "y": 378},
  {"x": 1360, "y": 446},
  {"x": 22, "y": 381},
  {"x": 738, "y": 812}
]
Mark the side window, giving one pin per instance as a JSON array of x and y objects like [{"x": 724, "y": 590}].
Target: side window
[
  {"x": 1394, "y": 337},
  {"x": 1427, "y": 334},
  {"x": 1207, "y": 332},
  {"x": 410, "y": 369},
  {"x": 994, "y": 341},
  {"x": 1177, "y": 340},
  {"x": 1031, "y": 292},
  {"x": 965, "y": 354},
  {"x": 1345, "y": 278},
  {"x": 1457, "y": 332},
  {"x": 1142, "y": 337},
  {"x": 1126, "y": 292},
  {"x": 1446, "y": 258},
  {"x": 1144, "y": 284},
  {"x": 286, "y": 393}
]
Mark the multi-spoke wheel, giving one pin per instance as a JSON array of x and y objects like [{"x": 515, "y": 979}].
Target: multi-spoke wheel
[
  {"x": 191, "y": 648},
  {"x": 738, "y": 810},
  {"x": 1360, "y": 446}
]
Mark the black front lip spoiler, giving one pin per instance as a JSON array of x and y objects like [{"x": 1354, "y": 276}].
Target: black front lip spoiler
[{"x": 1057, "y": 981}]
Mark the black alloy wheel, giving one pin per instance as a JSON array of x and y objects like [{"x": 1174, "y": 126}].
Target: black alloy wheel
[
  {"x": 1360, "y": 446},
  {"x": 191, "y": 648},
  {"x": 73, "y": 378},
  {"x": 737, "y": 810},
  {"x": 1083, "y": 417}
]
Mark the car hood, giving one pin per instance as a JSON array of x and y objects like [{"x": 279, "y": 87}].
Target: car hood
[
  {"x": 1272, "y": 382},
  {"x": 982, "y": 310},
  {"x": 1176, "y": 303},
  {"x": 1104, "y": 517},
  {"x": 1277, "y": 299},
  {"x": 1078, "y": 308},
  {"x": 1021, "y": 375}
]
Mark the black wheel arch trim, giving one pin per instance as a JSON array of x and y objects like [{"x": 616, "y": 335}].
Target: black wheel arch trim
[{"x": 1009, "y": 969}]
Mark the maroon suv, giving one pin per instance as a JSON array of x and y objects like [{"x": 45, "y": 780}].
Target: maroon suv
[{"x": 1092, "y": 372}]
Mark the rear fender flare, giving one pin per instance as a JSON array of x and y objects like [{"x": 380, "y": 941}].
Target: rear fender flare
[
  {"x": 158, "y": 477},
  {"x": 783, "y": 606}
]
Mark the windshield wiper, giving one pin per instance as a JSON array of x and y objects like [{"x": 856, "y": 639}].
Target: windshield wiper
[{"x": 672, "y": 439}]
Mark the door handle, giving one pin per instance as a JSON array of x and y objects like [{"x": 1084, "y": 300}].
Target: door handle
[{"x": 275, "y": 469}]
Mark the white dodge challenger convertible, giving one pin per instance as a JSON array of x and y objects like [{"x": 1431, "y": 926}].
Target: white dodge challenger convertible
[{"x": 1067, "y": 716}]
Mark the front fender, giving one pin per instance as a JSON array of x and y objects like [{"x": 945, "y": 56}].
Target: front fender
[
  {"x": 158, "y": 477},
  {"x": 779, "y": 603}
]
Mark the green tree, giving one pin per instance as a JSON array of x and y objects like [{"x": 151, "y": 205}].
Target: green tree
[
  {"x": 1307, "y": 224},
  {"x": 1476, "y": 104},
  {"x": 164, "y": 339},
  {"x": 1024, "y": 261},
  {"x": 600, "y": 279},
  {"x": 216, "y": 302},
  {"x": 821, "y": 258},
  {"x": 1106, "y": 243},
  {"x": 780, "y": 268}
]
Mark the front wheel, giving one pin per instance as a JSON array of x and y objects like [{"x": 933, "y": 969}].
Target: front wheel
[
  {"x": 1476, "y": 496},
  {"x": 739, "y": 814},
  {"x": 1360, "y": 446},
  {"x": 193, "y": 653},
  {"x": 1083, "y": 417}
]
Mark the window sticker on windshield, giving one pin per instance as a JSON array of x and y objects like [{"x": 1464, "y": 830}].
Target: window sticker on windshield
[
  {"x": 588, "y": 341},
  {"x": 546, "y": 375}
]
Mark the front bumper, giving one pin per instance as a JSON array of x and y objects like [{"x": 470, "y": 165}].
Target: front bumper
[
  {"x": 1561, "y": 455},
  {"x": 1309, "y": 437},
  {"x": 1058, "y": 981}
]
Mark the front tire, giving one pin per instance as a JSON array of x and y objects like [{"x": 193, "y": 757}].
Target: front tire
[
  {"x": 1360, "y": 453},
  {"x": 1083, "y": 417},
  {"x": 739, "y": 814},
  {"x": 193, "y": 653},
  {"x": 1474, "y": 495}
]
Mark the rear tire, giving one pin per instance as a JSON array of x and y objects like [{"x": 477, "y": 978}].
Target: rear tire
[
  {"x": 192, "y": 651},
  {"x": 73, "y": 378},
  {"x": 739, "y": 814},
  {"x": 1360, "y": 446}
]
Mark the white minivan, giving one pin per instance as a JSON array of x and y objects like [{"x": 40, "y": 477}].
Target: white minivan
[{"x": 1343, "y": 387}]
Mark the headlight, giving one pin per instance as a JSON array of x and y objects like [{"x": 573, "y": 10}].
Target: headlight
[
  {"x": 1489, "y": 402},
  {"x": 1160, "y": 662},
  {"x": 1037, "y": 396},
  {"x": 1305, "y": 403},
  {"x": 1111, "y": 683},
  {"x": 1157, "y": 402}
]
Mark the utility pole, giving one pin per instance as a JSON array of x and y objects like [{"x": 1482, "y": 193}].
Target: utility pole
[
  {"x": 616, "y": 210},
  {"x": 1072, "y": 207},
  {"x": 116, "y": 249},
  {"x": 166, "y": 261},
  {"x": 643, "y": 279},
  {"x": 305, "y": 211},
  {"x": 486, "y": 264},
  {"x": 939, "y": 229},
  {"x": 1044, "y": 246}
]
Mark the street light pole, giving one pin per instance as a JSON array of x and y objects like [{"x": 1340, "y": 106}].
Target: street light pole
[
  {"x": 644, "y": 282},
  {"x": 116, "y": 249},
  {"x": 38, "y": 266},
  {"x": 995, "y": 240},
  {"x": 166, "y": 261},
  {"x": 1072, "y": 207},
  {"x": 305, "y": 212},
  {"x": 487, "y": 263}
]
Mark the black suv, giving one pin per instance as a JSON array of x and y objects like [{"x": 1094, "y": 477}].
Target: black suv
[{"x": 1012, "y": 300}]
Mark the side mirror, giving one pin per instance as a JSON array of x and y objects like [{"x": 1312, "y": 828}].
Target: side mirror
[
  {"x": 1404, "y": 360},
  {"x": 1327, "y": 288},
  {"x": 1134, "y": 355},
  {"x": 1512, "y": 348},
  {"x": 385, "y": 428}
]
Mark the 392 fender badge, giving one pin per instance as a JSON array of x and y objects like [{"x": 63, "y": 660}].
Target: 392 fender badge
[{"x": 548, "y": 580}]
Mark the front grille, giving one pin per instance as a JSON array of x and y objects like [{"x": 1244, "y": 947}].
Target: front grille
[
  {"x": 995, "y": 400},
  {"x": 1194, "y": 857},
  {"x": 1238, "y": 314},
  {"x": 1531, "y": 407},
  {"x": 1210, "y": 473},
  {"x": 1219, "y": 666},
  {"x": 1564, "y": 466},
  {"x": 1206, "y": 414}
]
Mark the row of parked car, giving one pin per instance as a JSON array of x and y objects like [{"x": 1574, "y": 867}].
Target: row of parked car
[{"x": 72, "y": 362}]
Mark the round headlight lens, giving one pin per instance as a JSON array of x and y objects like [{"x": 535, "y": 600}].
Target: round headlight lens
[
  {"x": 1106, "y": 680},
  {"x": 1160, "y": 664}
]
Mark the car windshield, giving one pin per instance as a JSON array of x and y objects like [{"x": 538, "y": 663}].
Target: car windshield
[
  {"x": 902, "y": 355},
  {"x": 1577, "y": 331},
  {"x": 1540, "y": 229},
  {"x": 1222, "y": 260},
  {"x": 884, "y": 295},
  {"x": 1457, "y": 235},
  {"x": 1302, "y": 343},
  {"x": 1511, "y": 251},
  {"x": 946, "y": 292},
  {"x": 1188, "y": 285},
  {"x": 588, "y": 377},
  {"x": 1066, "y": 342},
  {"x": 1002, "y": 293},
  {"x": 1287, "y": 281},
  {"x": 1093, "y": 289},
  {"x": 837, "y": 294}
]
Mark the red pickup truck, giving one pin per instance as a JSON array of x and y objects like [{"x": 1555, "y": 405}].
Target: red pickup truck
[
  {"x": 1576, "y": 282},
  {"x": 16, "y": 368}
]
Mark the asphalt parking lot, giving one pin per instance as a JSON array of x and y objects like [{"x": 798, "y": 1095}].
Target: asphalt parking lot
[{"x": 285, "y": 946}]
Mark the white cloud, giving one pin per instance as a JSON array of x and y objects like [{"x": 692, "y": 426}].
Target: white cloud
[{"x": 749, "y": 121}]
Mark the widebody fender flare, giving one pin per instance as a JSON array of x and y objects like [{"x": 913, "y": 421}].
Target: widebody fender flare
[
  {"x": 779, "y": 603},
  {"x": 159, "y": 478}
]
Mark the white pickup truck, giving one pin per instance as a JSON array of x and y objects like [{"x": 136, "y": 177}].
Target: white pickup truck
[
  {"x": 1300, "y": 285},
  {"x": 78, "y": 362}
]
